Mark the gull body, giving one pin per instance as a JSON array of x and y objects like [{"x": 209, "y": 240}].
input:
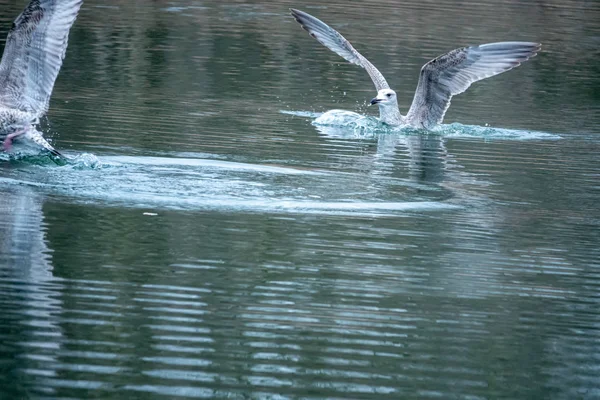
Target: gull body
[
  {"x": 440, "y": 79},
  {"x": 33, "y": 54}
]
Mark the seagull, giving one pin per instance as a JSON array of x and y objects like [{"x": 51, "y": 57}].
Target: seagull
[
  {"x": 33, "y": 54},
  {"x": 440, "y": 79}
]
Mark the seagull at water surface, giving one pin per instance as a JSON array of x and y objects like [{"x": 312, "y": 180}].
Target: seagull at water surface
[
  {"x": 440, "y": 79},
  {"x": 33, "y": 54}
]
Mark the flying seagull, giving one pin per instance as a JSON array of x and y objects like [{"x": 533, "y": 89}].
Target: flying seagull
[
  {"x": 33, "y": 54},
  {"x": 439, "y": 80}
]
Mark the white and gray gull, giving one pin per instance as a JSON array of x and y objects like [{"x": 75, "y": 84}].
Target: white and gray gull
[
  {"x": 33, "y": 54},
  {"x": 440, "y": 78}
]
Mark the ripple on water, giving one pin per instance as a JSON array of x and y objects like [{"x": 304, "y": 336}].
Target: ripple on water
[
  {"x": 337, "y": 328},
  {"x": 198, "y": 183}
]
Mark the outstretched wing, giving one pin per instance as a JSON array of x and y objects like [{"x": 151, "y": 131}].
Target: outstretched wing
[
  {"x": 335, "y": 42},
  {"x": 33, "y": 54},
  {"x": 452, "y": 73}
]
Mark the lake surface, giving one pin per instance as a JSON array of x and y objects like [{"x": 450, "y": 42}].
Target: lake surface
[{"x": 209, "y": 241}]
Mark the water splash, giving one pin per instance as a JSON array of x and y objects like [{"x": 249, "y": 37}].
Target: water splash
[
  {"x": 85, "y": 161},
  {"x": 348, "y": 119},
  {"x": 305, "y": 114},
  {"x": 348, "y": 124},
  {"x": 487, "y": 132}
]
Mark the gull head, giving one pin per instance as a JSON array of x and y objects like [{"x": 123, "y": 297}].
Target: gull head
[{"x": 385, "y": 98}]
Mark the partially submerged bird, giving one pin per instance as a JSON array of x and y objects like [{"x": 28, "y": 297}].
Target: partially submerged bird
[
  {"x": 33, "y": 54},
  {"x": 440, "y": 78}
]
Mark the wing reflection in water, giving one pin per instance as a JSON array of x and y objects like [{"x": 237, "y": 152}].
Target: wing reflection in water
[
  {"x": 426, "y": 155},
  {"x": 29, "y": 293},
  {"x": 22, "y": 235}
]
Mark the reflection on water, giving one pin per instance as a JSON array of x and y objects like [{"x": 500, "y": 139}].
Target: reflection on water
[
  {"x": 202, "y": 243},
  {"x": 30, "y": 298},
  {"x": 23, "y": 243}
]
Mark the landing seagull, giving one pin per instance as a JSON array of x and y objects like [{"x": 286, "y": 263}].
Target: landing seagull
[
  {"x": 440, "y": 79},
  {"x": 33, "y": 54}
]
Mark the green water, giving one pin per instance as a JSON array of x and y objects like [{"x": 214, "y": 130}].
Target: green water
[{"x": 208, "y": 241}]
